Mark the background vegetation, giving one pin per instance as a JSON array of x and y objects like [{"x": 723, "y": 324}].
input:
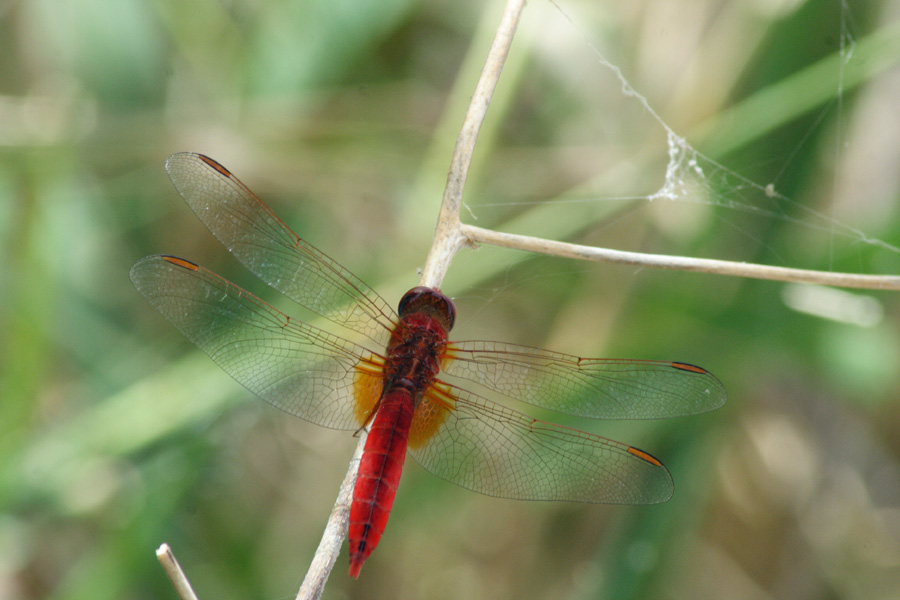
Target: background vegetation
[{"x": 117, "y": 435}]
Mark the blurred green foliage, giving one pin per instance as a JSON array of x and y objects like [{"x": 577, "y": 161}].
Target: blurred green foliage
[{"x": 116, "y": 435}]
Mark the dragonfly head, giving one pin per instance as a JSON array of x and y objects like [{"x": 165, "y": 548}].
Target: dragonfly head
[{"x": 431, "y": 302}]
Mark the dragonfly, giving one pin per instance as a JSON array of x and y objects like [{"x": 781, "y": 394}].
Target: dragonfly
[{"x": 415, "y": 391}]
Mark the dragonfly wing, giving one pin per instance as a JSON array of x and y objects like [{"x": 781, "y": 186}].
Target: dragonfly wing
[
  {"x": 296, "y": 367},
  {"x": 493, "y": 450},
  {"x": 277, "y": 255},
  {"x": 587, "y": 387}
]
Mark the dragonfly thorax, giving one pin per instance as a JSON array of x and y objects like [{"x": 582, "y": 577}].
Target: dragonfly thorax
[{"x": 414, "y": 353}]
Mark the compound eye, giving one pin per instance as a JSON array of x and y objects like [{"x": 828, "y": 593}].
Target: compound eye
[
  {"x": 450, "y": 312},
  {"x": 409, "y": 300},
  {"x": 431, "y": 302}
]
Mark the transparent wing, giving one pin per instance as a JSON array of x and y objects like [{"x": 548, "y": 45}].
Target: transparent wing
[
  {"x": 490, "y": 449},
  {"x": 296, "y": 367},
  {"x": 277, "y": 255},
  {"x": 588, "y": 387}
]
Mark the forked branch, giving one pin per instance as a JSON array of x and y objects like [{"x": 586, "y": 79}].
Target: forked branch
[{"x": 448, "y": 239}]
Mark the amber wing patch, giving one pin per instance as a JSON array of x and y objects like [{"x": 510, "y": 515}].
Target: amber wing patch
[
  {"x": 368, "y": 384},
  {"x": 430, "y": 415}
]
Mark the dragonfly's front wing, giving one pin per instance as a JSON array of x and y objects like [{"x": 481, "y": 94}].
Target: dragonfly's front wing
[
  {"x": 599, "y": 388},
  {"x": 277, "y": 255}
]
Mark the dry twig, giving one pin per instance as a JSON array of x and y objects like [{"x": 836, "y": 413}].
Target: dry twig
[{"x": 448, "y": 239}]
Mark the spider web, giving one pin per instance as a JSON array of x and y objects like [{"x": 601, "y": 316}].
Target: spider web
[{"x": 692, "y": 177}]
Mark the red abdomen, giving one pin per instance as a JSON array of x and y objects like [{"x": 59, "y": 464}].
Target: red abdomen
[{"x": 379, "y": 474}]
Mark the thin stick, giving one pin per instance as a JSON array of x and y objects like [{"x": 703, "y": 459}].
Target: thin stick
[
  {"x": 179, "y": 580},
  {"x": 448, "y": 239},
  {"x": 335, "y": 531},
  {"x": 702, "y": 265}
]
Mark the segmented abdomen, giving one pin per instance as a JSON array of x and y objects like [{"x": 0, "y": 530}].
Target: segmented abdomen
[{"x": 379, "y": 475}]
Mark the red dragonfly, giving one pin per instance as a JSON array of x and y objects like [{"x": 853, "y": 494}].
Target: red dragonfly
[{"x": 401, "y": 380}]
